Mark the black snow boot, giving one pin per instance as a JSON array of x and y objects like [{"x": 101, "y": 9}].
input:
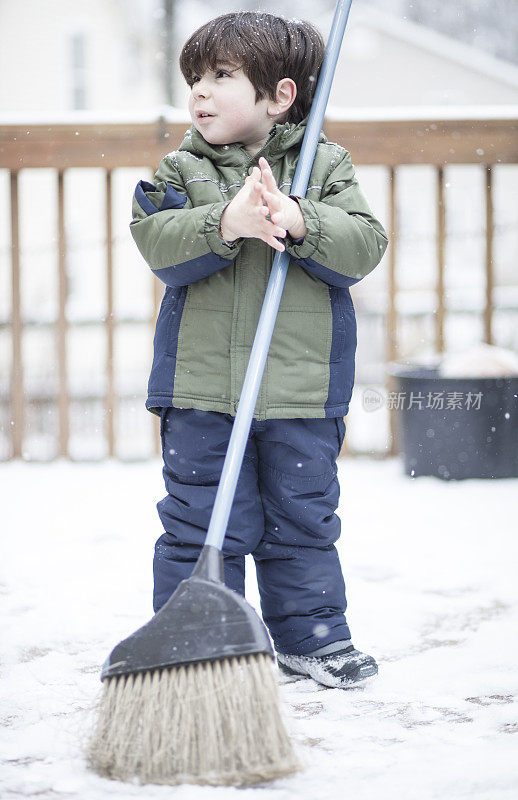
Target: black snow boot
[{"x": 340, "y": 670}]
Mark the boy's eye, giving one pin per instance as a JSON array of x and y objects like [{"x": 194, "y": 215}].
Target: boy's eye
[{"x": 220, "y": 73}]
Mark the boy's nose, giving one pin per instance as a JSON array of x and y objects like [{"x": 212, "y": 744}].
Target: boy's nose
[{"x": 200, "y": 89}]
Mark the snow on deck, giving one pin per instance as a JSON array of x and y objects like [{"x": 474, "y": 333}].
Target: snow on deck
[
  {"x": 334, "y": 113},
  {"x": 430, "y": 569}
]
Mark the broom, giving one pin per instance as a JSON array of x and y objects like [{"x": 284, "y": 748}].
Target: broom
[{"x": 191, "y": 696}]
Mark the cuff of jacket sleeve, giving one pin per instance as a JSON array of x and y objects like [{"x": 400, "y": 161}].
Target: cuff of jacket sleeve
[
  {"x": 211, "y": 233},
  {"x": 311, "y": 240}
]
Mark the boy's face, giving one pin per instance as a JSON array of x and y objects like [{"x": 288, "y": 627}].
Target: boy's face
[{"x": 224, "y": 110}]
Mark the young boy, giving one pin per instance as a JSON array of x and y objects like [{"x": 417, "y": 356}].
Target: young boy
[{"x": 208, "y": 226}]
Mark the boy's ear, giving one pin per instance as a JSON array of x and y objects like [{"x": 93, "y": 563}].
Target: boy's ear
[{"x": 285, "y": 95}]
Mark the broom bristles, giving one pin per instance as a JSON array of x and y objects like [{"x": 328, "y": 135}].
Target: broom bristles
[{"x": 212, "y": 723}]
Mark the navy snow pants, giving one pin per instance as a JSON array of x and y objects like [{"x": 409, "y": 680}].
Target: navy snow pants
[{"x": 283, "y": 513}]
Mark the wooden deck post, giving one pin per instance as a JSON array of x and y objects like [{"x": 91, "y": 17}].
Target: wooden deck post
[
  {"x": 488, "y": 310},
  {"x": 17, "y": 416},
  {"x": 110, "y": 323},
  {"x": 391, "y": 321},
  {"x": 441, "y": 237}
]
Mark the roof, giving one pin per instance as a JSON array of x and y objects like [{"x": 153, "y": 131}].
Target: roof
[{"x": 435, "y": 43}]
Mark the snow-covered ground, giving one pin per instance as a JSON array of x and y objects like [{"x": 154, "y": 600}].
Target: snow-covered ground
[{"x": 431, "y": 575}]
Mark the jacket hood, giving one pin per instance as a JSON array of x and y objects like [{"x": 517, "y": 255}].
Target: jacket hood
[{"x": 281, "y": 138}]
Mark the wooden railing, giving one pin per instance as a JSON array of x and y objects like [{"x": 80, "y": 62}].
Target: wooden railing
[{"x": 431, "y": 139}]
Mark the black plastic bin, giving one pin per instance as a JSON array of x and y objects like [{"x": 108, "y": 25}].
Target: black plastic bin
[{"x": 455, "y": 428}]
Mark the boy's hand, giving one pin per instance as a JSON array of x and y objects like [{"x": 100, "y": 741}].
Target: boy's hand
[
  {"x": 246, "y": 215},
  {"x": 283, "y": 210}
]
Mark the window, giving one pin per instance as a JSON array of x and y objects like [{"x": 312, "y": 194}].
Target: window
[{"x": 78, "y": 70}]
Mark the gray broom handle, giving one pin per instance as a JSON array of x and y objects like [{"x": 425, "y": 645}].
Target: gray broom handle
[{"x": 254, "y": 373}]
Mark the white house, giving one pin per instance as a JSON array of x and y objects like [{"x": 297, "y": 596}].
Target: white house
[
  {"x": 107, "y": 57},
  {"x": 390, "y": 62},
  {"x": 89, "y": 54}
]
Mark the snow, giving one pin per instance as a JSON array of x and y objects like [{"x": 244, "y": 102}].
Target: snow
[
  {"x": 95, "y": 116},
  {"x": 430, "y": 573},
  {"x": 480, "y": 361},
  {"x": 425, "y": 113},
  {"x": 334, "y": 114}
]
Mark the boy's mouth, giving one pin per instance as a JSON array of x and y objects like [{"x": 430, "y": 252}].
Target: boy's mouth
[{"x": 203, "y": 114}]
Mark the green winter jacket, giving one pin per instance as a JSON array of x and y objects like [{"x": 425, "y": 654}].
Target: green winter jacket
[{"x": 214, "y": 292}]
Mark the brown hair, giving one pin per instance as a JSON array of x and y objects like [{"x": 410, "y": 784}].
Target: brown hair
[{"x": 266, "y": 47}]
